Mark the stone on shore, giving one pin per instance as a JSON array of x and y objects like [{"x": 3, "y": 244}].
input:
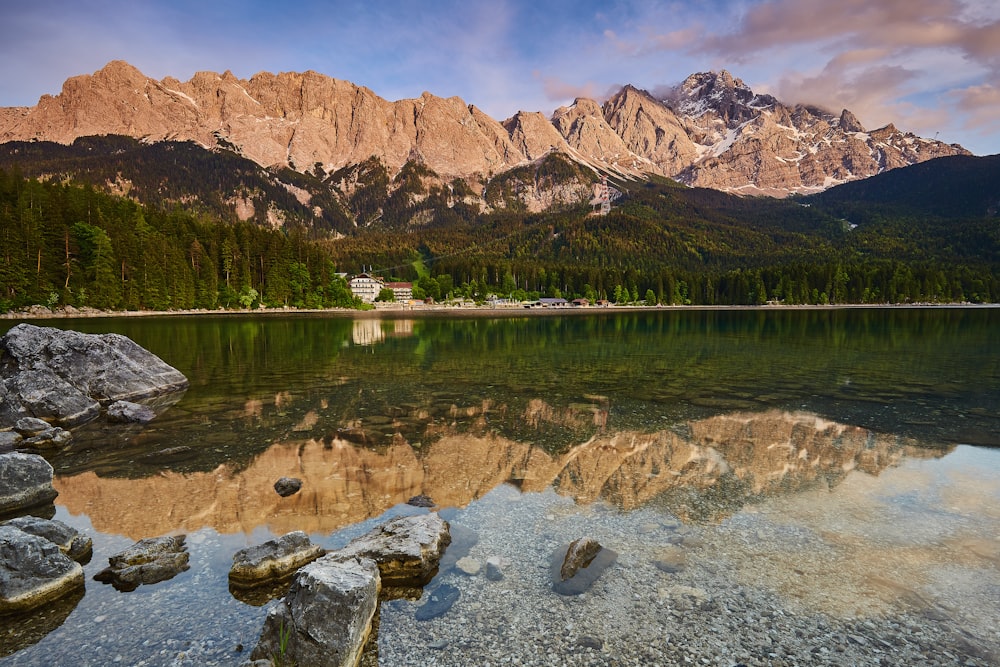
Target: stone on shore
[
  {"x": 25, "y": 483},
  {"x": 33, "y": 571},
  {"x": 64, "y": 377},
  {"x": 147, "y": 561},
  {"x": 407, "y": 549},
  {"x": 272, "y": 560},
  {"x": 326, "y": 617}
]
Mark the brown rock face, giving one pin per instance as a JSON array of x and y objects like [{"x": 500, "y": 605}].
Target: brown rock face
[
  {"x": 294, "y": 119},
  {"x": 711, "y": 131},
  {"x": 759, "y": 454}
]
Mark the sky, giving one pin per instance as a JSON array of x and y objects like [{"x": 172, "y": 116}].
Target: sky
[{"x": 931, "y": 67}]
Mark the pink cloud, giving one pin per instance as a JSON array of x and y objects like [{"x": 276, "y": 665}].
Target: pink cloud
[
  {"x": 558, "y": 90},
  {"x": 897, "y": 26},
  {"x": 979, "y": 105}
]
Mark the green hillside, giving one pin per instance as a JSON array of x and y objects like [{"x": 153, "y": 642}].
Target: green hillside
[{"x": 174, "y": 241}]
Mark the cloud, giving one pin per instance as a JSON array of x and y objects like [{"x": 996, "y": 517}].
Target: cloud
[
  {"x": 560, "y": 91},
  {"x": 850, "y": 23},
  {"x": 978, "y": 105}
]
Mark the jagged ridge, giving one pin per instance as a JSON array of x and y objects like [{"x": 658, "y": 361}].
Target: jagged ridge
[{"x": 711, "y": 130}]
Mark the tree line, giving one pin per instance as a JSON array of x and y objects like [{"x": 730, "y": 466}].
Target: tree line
[{"x": 65, "y": 244}]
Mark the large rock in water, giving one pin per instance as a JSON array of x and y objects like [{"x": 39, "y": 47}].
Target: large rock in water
[
  {"x": 274, "y": 559},
  {"x": 64, "y": 377},
  {"x": 326, "y": 617},
  {"x": 148, "y": 561},
  {"x": 407, "y": 549},
  {"x": 33, "y": 571},
  {"x": 25, "y": 482}
]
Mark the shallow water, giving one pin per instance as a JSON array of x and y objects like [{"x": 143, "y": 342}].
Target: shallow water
[{"x": 832, "y": 459}]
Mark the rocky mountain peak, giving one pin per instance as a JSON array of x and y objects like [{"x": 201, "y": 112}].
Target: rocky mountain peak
[
  {"x": 711, "y": 130},
  {"x": 729, "y": 98},
  {"x": 849, "y": 122}
]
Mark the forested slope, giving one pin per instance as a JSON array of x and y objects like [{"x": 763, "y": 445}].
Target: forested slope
[{"x": 68, "y": 244}]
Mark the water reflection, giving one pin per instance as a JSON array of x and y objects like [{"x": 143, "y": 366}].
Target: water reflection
[
  {"x": 372, "y": 331},
  {"x": 17, "y": 633},
  {"x": 701, "y": 470}
]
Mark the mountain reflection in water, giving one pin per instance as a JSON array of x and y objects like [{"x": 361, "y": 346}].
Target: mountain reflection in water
[{"x": 700, "y": 470}]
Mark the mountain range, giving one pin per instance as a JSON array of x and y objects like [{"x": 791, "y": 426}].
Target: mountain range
[{"x": 711, "y": 131}]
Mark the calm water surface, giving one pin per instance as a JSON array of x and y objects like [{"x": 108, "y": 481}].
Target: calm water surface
[{"x": 873, "y": 429}]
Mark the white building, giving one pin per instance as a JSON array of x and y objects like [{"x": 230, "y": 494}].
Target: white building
[
  {"x": 366, "y": 287},
  {"x": 403, "y": 292}
]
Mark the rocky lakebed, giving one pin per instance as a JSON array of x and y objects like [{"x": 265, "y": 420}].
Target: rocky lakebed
[{"x": 824, "y": 576}]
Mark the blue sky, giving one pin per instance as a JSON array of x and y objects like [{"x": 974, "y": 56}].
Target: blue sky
[{"x": 929, "y": 66}]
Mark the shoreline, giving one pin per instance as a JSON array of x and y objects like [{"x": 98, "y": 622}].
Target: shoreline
[{"x": 394, "y": 310}]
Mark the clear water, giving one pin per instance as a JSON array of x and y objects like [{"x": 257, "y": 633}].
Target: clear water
[{"x": 849, "y": 434}]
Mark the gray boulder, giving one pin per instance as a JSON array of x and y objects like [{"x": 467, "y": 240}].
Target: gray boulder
[
  {"x": 147, "y": 561},
  {"x": 70, "y": 541},
  {"x": 51, "y": 438},
  {"x": 31, "y": 426},
  {"x": 33, "y": 571},
  {"x": 407, "y": 549},
  {"x": 326, "y": 617},
  {"x": 64, "y": 377},
  {"x": 274, "y": 559},
  {"x": 127, "y": 412},
  {"x": 9, "y": 440},
  {"x": 25, "y": 483}
]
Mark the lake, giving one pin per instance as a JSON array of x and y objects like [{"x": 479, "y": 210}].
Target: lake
[{"x": 782, "y": 486}]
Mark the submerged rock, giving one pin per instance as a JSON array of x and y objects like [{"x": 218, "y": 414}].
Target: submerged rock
[
  {"x": 49, "y": 438},
  {"x": 169, "y": 455},
  {"x": 494, "y": 568},
  {"x": 272, "y": 560},
  {"x": 407, "y": 549},
  {"x": 670, "y": 559},
  {"x": 468, "y": 566},
  {"x": 287, "y": 486},
  {"x": 147, "y": 561},
  {"x": 462, "y": 541},
  {"x": 33, "y": 571},
  {"x": 64, "y": 377},
  {"x": 326, "y": 617},
  {"x": 576, "y": 567},
  {"x": 25, "y": 483},
  {"x": 439, "y": 601},
  {"x": 127, "y": 412}
]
